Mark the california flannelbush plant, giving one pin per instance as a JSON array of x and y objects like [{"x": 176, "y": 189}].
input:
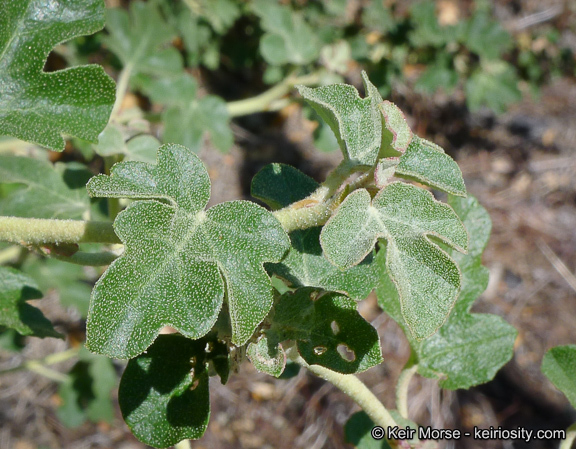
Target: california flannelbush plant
[{"x": 237, "y": 280}]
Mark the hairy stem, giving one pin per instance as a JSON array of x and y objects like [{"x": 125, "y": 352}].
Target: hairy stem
[
  {"x": 266, "y": 100},
  {"x": 351, "y": 386},
  {"x": 36, "y": 231},
  {"x": 402, "y": 388},
  {"x": 121, "y": 89}
]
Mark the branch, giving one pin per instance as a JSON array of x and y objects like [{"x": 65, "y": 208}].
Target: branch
[
  {"x": 351, "y": 386},
  {"x": 266, "y": 101},
  {"x": 36, "y": 231}
]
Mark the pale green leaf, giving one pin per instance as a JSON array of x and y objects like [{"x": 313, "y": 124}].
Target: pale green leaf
[
  {"x": 37, "y": 106},
  {"x": 428, "y": 280},
  {"x": 188, "y": 119},
  {"x": 306, "y": 266},
  {"x": 140, "y": 40},
  {"x": 469, "y": 348},
  {"x": 180, "y": 260},
  {"x": 328, "y": 329},
  {"x": 112, "y": 141},
  {"x": 45, "y": 194},
  {"x": 424, "y": 163},
  {"x": 486, "y": 37},
  {"x": 494, "y": 85},
  {"x": 396, "y": 131},
  {"x": 70, "y": 281},
  {"x": 288, "y": 38},
  {"x": 280, "y": 185},
  {"x": 87, "y": 394},
  {"x": 559, "y": 365},
  {"x": 356, "y": 122},
  {"x": 267, "y": 356},
  {"x": 164, "y": 395},
  {"x": 15, "y": 313}
]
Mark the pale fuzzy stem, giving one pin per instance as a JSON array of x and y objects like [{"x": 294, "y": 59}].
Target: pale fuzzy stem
[
  {"x": 402, "y": 390},
  {"x": 351, "y": 386},
  {"x": 570, "y": 437},
  {"x": 121, "y": 89},
  {"x": 266, "y": 100},
  {"x": 40, "y": 366},
  {"x": 37, "y": 231}
]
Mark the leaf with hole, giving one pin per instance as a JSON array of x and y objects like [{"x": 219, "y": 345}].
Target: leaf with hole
[
  {"x": 15, "y": 289},
  {"x": 328, "y": 329},
  {"x": 45, "y": 193},
  {"x": 37, "y": 106},
  {"x": 407, "y": 217},
  {"x": 356, "y": 122},
  {"x": 180, "y": 260},
  {"x": 164, "y": 395}
]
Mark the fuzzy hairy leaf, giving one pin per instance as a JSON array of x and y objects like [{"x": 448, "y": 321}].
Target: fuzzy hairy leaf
[
  {"x": 428, "y": 280},
  {"x": 267, "y": 356},
  {"x": 45, "y": 195},
  {"x": 559, "y": 365},
  {"x": 140, "y": 148},
  {"x": 37, "y": 106},
  {"x": 424, "y": 162},
  {"x": 356, "y": 122},
  {"x": 494, "y": 85},
  {"x": 15, "y": 313},
  {"x": 328, "y": 329},
  {"x": 187, "y": 119},
  {"x": 469, "y": 348},
  {"x": 396, "y": 129},
  {"x": 180, "y": 260},
  {"x": 279, "y": 186},
  {"x": 164, "y": 395},
  {"x": 289, "y": 39},
  {"x": 139, "y": 40}
]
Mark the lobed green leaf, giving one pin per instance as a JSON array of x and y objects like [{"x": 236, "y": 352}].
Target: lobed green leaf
[
  {"x": 468, "y": 349},
  {"x": 427, "y": 279},
  {"x": 180, "y": 260},
  {"x": 328, "y": 329},
  {"x": 37, "y": 106},
  {"x": 46, "y": 194},
  {"x": 288, "y": 38},
  {"x": 188, "y": 119},
  {"x": 15, "y": 313},
  {"x": 356, "y": 122},
  {"x": 139, "y": 40}
]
